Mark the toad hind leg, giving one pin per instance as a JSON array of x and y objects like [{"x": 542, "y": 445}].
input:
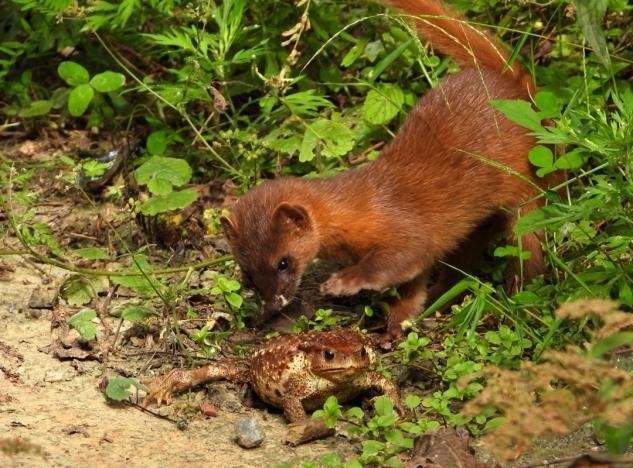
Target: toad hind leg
[{"x": 179, "y": 380}]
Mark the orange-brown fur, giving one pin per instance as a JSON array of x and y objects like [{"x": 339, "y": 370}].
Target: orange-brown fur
[{"x": 432, "y": 188}]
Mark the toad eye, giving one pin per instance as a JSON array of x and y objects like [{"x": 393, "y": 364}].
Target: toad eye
[
  {"x": 328, "y": 354},
  {"x": 363, "y": 352},
  {"x": 283, "y": 264}
]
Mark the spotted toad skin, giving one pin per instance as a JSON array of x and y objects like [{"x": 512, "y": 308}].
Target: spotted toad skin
[{"x": 294, "y": 372}]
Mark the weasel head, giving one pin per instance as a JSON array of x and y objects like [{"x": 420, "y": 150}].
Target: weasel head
[{"x": 273, "y": 239}]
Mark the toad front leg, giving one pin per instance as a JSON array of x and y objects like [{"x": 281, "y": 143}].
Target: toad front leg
[{"x": 385, "y": 387}]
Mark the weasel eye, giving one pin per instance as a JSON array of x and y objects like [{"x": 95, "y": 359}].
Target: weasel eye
[
  {"x": 283, "y": 264},
  {"x": 328, "y": 354}
]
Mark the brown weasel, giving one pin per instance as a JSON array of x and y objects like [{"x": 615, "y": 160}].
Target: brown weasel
[{"x": 394, "y": 218}]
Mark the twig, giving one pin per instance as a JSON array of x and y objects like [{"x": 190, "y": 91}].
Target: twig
[{"x": 153, "y": 413}]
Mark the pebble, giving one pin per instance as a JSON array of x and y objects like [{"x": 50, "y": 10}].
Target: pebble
[
  {"x": 248, "y": 432},
  {"x": 43, "y": 298}
]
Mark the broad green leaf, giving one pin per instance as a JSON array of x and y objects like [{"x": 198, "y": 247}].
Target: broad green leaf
[
  {"x": 519, "y": 112},
  {"x": 589, "y": 14},
  {"x": 107, "y": 81},
  {"x": 306, "y": 103},
  {"x": 79, "y": 99},
  {"x": 73, "y": 73},
  {"x": 573, "y": 159},
  {"x": 91, "y": 253},
  {"x": 548, "y": 104},
  {"x": 82, "y": 322},
  {"x": 159, "y": 186},
  {"x": 93, "y": 168},
  {"x": 411, "y": 428},
  {"x": 383, "y": 406},
  {"x": 394, "y": 436},
  {"x": 172, "y": 201},
  {"x": 538, "y": 219},
  {"x": 355, "y": 413},
  {"x": 157, "y": 143},
  {"x": 139, "y": 283},
  {"x": 383, "y": 104},
  {"x": 228, "y": 285},
  {"x": 234, "y": 300},
  {"x": 412, "y": 401},
  {"x": 174, "y": 170},
  {"x": 335, "y": 139},
  {"x": 76, "y": 290},
  {"x": 372, "y": 447},
  {"x": 36, "y": 108},
  {"x": 120, "y": 388},
  {"x": 308, "y": 145},
  {"x": 494, "y": 423},
  {"x": 136, "y": 313},
  {"x": 541, "y": 156}
]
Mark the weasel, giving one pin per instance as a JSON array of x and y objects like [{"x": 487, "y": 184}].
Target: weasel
[{"x": 454, "y": 164}]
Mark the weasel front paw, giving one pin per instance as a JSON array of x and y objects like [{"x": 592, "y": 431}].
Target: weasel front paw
[{"x": 341, "y": 284}]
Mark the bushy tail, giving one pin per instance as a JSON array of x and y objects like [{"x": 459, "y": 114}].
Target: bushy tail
[{"x": 448, "y": 32}]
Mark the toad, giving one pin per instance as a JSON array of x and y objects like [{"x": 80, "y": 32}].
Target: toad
[{"x": 296, "y": 373}]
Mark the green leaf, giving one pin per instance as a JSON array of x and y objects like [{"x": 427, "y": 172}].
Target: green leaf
[
  {"x": 228, "y": 285},
  {"x": 308, "y": 144},
  {"x": 73, "y": 73},
  {"x": 79, "y": 99},
  {"x": 548, "y": 104},
  {"x": 159, "y": 186},
  {"x": 82, "y": 322},
  {"x": 519, "y": 112},
  {"x": 136, "y": 313},
  {"x": 411, "y": 428},
  {"x": 76, "y": 290},
  {"x": 512, "y": 251},
  {"x": 541, "y": 156},
  {"x": 383, "y": 104},
  {"x": 383, "y": 406},
  {"x": 494, "y": 423},
  {"x": 610, "y": 343},
  {"x": 175, "y": 171},
  {"x": 412, "y": 401},
  {"x": 334, "y": 137},
  {"x": 372, "y": 447},
  {"x": 354, "y": 53},
  {"x": 589, "y": 15},
  {"x": 172, "y": 201},
  {"x": 107, "y": 81},
  {"x": 396, "y": 437},
  {"x": 573, "y": 159},
  {"x": 120, "y": 388},
  {"x": 355, "y": 413},
  {"x": 157, "y": 143},
  {"x": 234, "y": 299},
  {"x": 36, "y": 108},
  {"x": 91, "y": 253}
]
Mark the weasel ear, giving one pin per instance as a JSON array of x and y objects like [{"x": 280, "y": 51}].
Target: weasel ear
[
  {"x": 292, "y": 216},
  {"x": 229, "y": 227}
]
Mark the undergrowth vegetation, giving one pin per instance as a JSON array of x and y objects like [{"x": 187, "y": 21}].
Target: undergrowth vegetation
[{"x": 237, "y": 91}]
